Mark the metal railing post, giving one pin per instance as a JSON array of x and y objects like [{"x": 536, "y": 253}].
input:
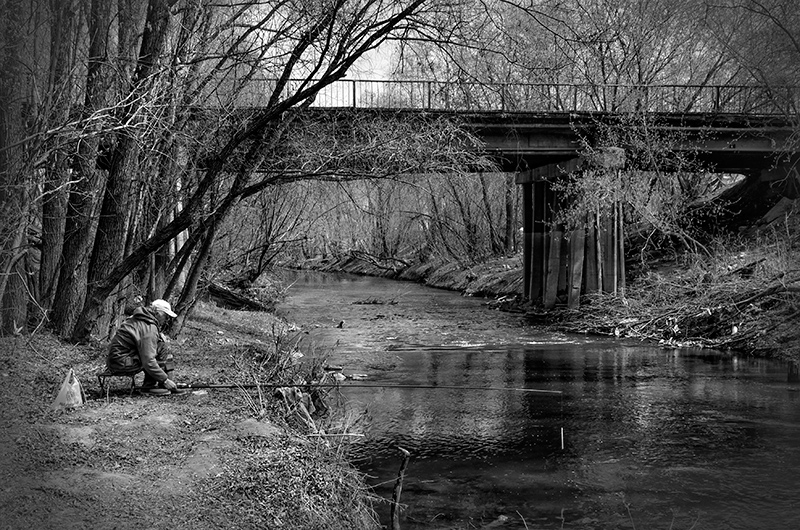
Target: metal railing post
[
  {"x": 674, "y": 100},
  {"x": 429, "y": 95}
]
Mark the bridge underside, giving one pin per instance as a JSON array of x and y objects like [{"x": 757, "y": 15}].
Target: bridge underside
[
  {"x": 722, "y": 161},
  {"x": 559, "y": 266},
  {"x": 731, "y": 145}
]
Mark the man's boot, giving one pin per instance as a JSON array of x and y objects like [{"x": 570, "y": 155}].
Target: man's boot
[{"x": 151, "y": 386}]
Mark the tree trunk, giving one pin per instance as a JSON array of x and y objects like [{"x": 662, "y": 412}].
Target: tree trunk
[
  {"x": 86, "y": 195},
  {"x": 13, "y": 181},
  {"x": 126, "y": 164},
  {"x": 511, "y": 214},
  {"x": 242, "y": 135},
  {"x": 54, "y": 204},
  {"x": 189, "y": 293},
  {"x": 113, "y": 225}
]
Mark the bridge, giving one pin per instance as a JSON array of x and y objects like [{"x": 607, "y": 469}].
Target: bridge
[
  {"x": 529, "y": 125},
  {"x": 537, "y": 130}
]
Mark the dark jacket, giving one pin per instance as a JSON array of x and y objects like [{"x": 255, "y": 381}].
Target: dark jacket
[{"x": 136, "y": 344}]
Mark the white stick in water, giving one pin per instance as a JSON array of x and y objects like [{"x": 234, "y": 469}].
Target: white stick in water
[{"x": 562, "y": 438}]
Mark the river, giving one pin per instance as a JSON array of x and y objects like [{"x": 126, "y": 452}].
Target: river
[{"x": 627, "y": 434}]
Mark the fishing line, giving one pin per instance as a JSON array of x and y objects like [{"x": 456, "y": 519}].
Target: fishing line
[
  {"x": 562, "y": 421},
  {"x": 389, "y": 386}
]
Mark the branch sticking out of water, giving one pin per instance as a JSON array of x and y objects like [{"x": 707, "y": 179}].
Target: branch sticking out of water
[{"x": 398, "y": 488}]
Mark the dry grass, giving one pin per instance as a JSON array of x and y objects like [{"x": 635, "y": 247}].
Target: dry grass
[
  {"x": 291, "y": 484},
  {"x": 745, "y": 297},
  {"x": 218, "y": 458}
]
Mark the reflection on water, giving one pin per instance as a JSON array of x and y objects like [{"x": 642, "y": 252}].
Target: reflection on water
[
  {"x": 669, "y": 433},
  {"x": 653, "y": 438},
  {"x": 458, "y": 424}
]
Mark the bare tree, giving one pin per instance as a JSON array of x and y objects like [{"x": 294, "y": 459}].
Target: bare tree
[
  {"x": 317, "y": 43},
  {"x": 763, "y": 38},
  {"x": 608, "y": 49},
  {"x": 157, "y": 118}
]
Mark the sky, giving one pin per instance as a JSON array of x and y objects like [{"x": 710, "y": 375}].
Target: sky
[{"x": 375, "y": 64}]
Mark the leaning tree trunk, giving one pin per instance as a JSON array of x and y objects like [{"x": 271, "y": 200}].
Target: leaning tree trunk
[
  {"x": 92, "y": 307},
  {"x": 188, "y": 296},
  {"x": 127, "y": 165},
  {"x": 112, "y": 231}
]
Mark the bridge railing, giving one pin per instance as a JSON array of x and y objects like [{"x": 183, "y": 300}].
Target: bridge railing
[{"x": 541, "y": 97}]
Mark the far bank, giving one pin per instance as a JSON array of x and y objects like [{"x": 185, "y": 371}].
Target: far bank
[{"x": 744, "y": 296}]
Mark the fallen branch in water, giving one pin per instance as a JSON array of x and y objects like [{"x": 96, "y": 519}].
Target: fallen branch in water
[{"x": 398, "y": 488}]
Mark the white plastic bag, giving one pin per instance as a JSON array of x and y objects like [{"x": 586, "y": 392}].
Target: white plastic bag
[{"x": 71, "y": 393}]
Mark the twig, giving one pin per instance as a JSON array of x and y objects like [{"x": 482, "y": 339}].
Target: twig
[
  {"x": 630, "y": 516},
  {"x": 523, "y": 520},
  {"x": 774, "y": 289},
  {"x": 398, "y": 488}
]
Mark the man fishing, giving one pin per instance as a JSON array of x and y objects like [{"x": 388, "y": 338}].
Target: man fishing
[{"x": 138, "y": 345}]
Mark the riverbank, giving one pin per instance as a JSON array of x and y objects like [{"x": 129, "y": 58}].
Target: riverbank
[
  {"x": 229, "y": 458},
  {"x": 211, "y": 458},
  {"x": 743, "y": 296}
]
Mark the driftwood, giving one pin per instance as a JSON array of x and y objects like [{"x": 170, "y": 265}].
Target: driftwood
[
  {"x": 728, "y": 317},
  {"x": 782, "y": 287},
  {"x": 231, "y": 299},
  {"x": 745, "y": 271},
  {"x": 378, "y": 261}
]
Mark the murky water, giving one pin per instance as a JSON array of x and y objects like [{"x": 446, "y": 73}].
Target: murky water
[{"x": 652, "y": 438}]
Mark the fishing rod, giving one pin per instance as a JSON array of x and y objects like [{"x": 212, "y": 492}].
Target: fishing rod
[
  {"x": 379, "y": 386},
  {"x": 365, "y": 385}
]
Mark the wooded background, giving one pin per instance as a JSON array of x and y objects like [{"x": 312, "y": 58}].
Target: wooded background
[{"x": 130, "y": 167}]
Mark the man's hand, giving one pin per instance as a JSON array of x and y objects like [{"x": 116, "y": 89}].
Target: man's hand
[{"x": 170, "y": 385}]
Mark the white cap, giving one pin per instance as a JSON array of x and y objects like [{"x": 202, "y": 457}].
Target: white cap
[{"x": 163, "y": 305}]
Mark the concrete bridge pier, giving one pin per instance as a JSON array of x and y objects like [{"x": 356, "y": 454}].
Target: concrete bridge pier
[{"x": 562, "y": 265}]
